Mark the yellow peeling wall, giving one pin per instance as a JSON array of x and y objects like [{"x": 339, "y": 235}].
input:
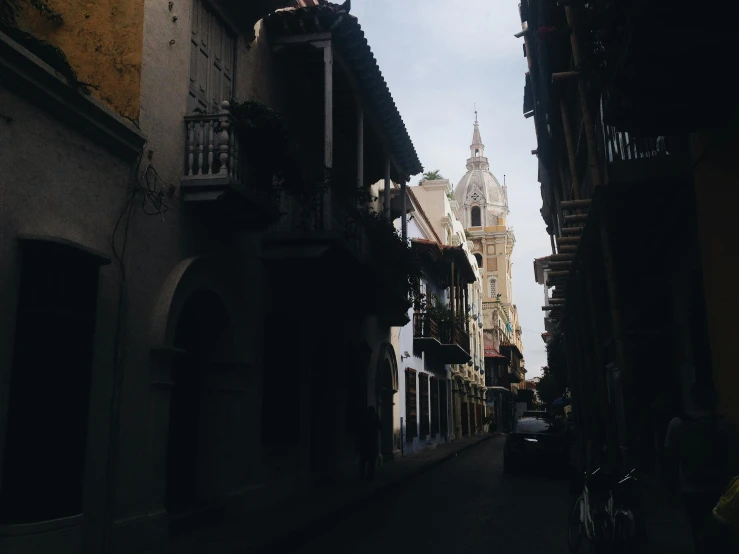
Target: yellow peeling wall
[{"x": 103, "y": 41}]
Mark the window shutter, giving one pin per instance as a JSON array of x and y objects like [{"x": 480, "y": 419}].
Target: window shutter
[
  {"x": 410, "y": 404},
  {"x": 424, "y": 383}
]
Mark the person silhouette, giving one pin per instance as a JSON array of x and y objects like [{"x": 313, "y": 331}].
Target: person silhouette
[{"x": 368, "y": 443}]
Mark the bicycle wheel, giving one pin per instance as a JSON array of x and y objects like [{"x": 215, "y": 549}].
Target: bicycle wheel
[
  {"x": 577, "y": 539},
  {"x": 625, "y": 533}
]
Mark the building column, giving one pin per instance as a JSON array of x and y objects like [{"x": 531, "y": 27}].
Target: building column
[
  {"x": 403, "y": 208},
  {"x": 387, "y": 188},
  {"x": 328, "y": 126}
]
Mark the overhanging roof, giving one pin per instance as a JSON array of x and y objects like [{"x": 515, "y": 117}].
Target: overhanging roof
[
  {"x": 352, "y": 46},
  {"x": 457, "y": 254}
]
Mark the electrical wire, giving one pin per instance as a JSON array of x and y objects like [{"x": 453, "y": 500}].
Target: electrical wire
[{"x": 153, "y": 203}]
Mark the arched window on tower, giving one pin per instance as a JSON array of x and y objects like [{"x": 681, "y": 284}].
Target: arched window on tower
[
  {"x": 475, "y": 217},
  {"x": 493, "y": 288},
  {"x": 477, "y": 153},
  {"x": 478, "y": 257}
]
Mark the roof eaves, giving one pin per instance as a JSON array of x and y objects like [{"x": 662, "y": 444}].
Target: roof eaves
[{"x": 352, "y": 44}]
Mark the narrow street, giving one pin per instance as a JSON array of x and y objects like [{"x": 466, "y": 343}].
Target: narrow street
[{"x": 464, "y": 505}]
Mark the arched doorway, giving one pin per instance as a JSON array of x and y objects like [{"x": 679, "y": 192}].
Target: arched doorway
[
  {"x": 203, "y": 332},
  {"x": 387, "y": 386}
]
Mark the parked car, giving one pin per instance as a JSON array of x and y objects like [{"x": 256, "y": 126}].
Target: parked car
[
  {"x": 536, "y": 441},
  {"x": 541, "y": 414}
]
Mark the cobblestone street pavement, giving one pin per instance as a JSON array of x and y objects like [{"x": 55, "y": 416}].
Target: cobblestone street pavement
[{"x": 464, "y": 505}]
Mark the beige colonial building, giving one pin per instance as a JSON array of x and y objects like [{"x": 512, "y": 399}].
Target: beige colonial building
[
  {"x": 481, "y": 205},
  {"x": 468, "y": 379}
]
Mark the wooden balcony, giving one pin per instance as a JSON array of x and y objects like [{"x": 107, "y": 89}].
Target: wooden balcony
[
  {"x": 446, "y": 342},
  {"x": 456, "y": 343},
  {"x": 214, "y": 179}
]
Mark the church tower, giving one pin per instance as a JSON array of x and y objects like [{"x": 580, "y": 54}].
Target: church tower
[{"x": 483, "y": 208}]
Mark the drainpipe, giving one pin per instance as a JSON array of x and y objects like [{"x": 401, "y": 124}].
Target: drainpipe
[{"x": 114, "y": 419}]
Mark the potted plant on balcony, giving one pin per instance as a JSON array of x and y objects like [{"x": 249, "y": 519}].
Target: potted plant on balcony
[
  {"x": 393, "y": 258},
  {"x": 272, "y": 154}
]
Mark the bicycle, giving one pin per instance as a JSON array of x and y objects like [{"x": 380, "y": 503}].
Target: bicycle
[{"x": 608, "y": 525}]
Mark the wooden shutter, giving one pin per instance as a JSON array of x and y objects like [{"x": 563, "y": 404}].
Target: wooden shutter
[
  {"x": 424, "y": 384},
  {"x": 434, "y": 383},
  {"x": 411, "y": 414},
  {"x": 443, "y": 406},
  {"x": 212, "y": 52}
]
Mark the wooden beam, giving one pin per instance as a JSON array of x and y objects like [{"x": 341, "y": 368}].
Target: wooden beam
[
  {"x": 535, "y": 152},
  {"x": 559, "y": 273},
  {"x": 570, "y": 148},
  {"x": 550, "y": 308},
  {"x": 587, "y": 119},
  {"x": 572, "y": 230},
  {"x": 574, "y": 204},
  {"x": 568, "y": 240},
  {"x": 520, "y": 34},
  {"x": 567, "y": 263},
  {"x": 575, "y": 218},
  {"x": 561, "y": 257},
  {"x": 568, "y": 248},
  {"x": 328, "y": 78},
  {"x": 564, "y": 75}
]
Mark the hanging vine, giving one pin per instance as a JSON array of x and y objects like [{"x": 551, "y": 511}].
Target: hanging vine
[{"x": 9, "y": 12}]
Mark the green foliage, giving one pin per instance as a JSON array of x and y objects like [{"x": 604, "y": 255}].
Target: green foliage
[
  {"x": 9, "y": 11},
  {"x": 547, "y": 387},
  {"x": 395, "y": 258},
  {"x": 439, "y": 311},
  {"x": 431, "y": 176},
  {"x": 272, "y": 154},
  {"x": 526, "y": 395},
  {"x": 554, "y": 382}
]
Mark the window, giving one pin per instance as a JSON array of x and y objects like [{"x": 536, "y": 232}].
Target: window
[
  {"x": 411, "y": 413},
  {"x": 46, "y": 435},
  {"x": 424, "y": 382},
  {"x": 434, "y": 406},
  {"x": 493, "y": 288},
  {"x": 212, "y": 49},
  {"x": 476, "y": 219},
  {"x": 477, "y": 153},
  {"x": 478, "y": 257}
]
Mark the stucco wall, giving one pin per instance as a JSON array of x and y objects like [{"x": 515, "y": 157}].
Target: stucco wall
[
  {"x": 76, "y": 194},
  {"x": 102, "y": 40},
  {"x": 717, "y": 196}
]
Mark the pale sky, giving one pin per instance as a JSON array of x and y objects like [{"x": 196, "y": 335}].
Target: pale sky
[{"x": 440, "y": 59}]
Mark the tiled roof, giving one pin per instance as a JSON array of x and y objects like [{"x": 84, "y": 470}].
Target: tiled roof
[
  {"x": 351, "y": 44},
  {"x": 493, "y": 353}
]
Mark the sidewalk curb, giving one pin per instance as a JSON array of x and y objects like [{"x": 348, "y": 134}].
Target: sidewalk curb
[{"x": 294, "y": 538}]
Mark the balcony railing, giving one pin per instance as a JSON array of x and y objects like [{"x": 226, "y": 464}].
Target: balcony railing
[
  {"x": 425, "y": 326},
  {"x": 448, "y": 341},
  {"x": 215, "y": 161},
  {"x": 623, "y": 146},
  {"x": 212, "y": 146},
  {"x": 319, "y": 215}
]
